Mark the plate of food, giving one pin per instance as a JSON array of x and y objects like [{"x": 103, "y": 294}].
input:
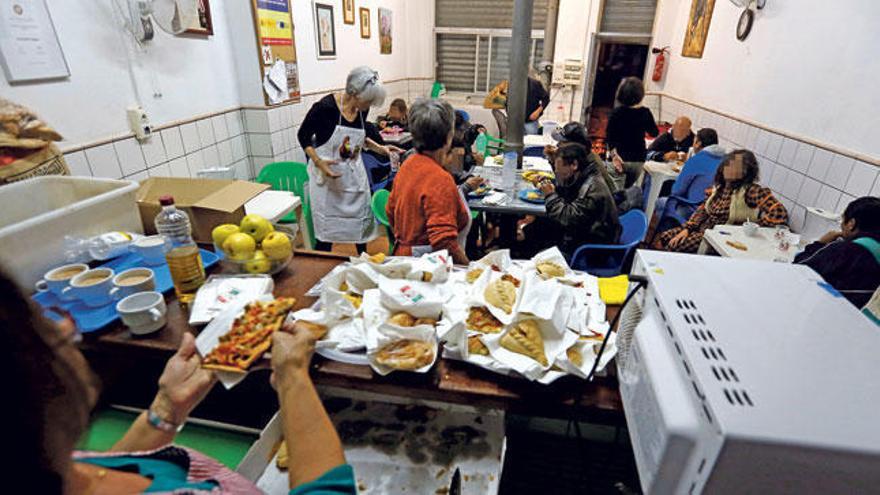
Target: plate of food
[
  {"x": 536, "y": 176},
  {"x": 480, "y": 192},
  {"x": 531, "y": 196}
]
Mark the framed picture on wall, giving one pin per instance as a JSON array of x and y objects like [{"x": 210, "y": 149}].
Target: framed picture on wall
[
  {"x": 365, "y": 22},
  {"x": 348, "y": 11},
  {"x": 202, "y": 24},
  {"x": 697, "y": 28},
  {"x": 385, "y": 31},
  {"x": 325, "y": 30}
]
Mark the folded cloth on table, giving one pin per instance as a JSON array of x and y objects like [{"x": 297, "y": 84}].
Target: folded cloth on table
[{"x": 612, "y": 290}]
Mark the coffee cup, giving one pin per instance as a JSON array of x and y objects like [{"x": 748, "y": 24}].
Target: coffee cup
[
  {"x": 151, "y": 249},
  {"x": 91, "y": 287},
  {"x": 143, "y": 312},
  {"x": 57, "y": 279},
  {"x": 750, "y": 229},
  {"x": 132, "y": 281}
]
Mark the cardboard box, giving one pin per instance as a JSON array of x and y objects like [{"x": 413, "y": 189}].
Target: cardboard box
[{"x": 208, "y": 202}]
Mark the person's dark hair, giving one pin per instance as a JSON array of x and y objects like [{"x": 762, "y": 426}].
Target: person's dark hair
[
  {"x": 399, "y": 104},
  {"x": 49, "y": 408},
  {"x": 631, "y": 91},
  {"x": 750, "y": 164},
  {"x": 866, "y": 212},
  {"x": 707, "y": 137},
  {"x": 573, "y": 132},
  {"x": 574, "y": 153},
  {"x": 430, "y": 122}
]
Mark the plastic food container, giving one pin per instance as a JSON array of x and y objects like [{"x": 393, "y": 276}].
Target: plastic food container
[
  {"x": 248, "y": 266},
  {"x": 37, "y": 213}
]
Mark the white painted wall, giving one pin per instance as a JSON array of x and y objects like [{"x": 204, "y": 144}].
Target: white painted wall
[
  {"x": 809, "y": 67},
  {"x": 193, "y": 74}
]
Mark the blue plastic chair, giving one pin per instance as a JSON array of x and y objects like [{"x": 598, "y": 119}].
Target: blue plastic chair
[
  {"x": 646, "y": 187},
  {"x": 534, "y": 151},
  {"x": 375, "y": 168},
  {"x": 678, "y": 209},
  {"x": 464, "y": 115},
  {"x": 608, "y": 260}
]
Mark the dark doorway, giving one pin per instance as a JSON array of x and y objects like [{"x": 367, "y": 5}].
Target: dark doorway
[{"x": 614, "y": 62}]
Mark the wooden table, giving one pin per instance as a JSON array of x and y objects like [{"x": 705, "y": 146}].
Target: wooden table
[{"x": 121, "y": 355}]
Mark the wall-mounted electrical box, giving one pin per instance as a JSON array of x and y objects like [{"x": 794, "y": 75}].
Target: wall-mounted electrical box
[
  {"x": 568, "y": 73},
  {"x": 138, "y": 122}
]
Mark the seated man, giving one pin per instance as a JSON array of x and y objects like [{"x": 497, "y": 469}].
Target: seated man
[
  {"x": 849, "y": 260},
  {"x": 707, "y": 156},
  {"x": 576, "y": 133},
  {"x": 396, "y": 116},
  {"x": 579, "y": 206},
  {"x": 668, "y": 145}
]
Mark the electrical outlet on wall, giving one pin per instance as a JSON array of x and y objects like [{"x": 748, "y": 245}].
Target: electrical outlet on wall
[{"x": 139, "y": 122}]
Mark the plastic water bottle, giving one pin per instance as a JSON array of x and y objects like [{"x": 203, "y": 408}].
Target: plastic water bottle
[
  {"x": 100, "y": 247},
  {"x": 508, "y": 172},
  {"x": 182, "y": 253}
]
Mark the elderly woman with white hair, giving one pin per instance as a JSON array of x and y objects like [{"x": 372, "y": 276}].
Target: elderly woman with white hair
[{"x": 333, "y": 135}]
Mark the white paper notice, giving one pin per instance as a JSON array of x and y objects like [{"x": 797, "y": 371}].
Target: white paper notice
[{"x": 29, "y": 47}]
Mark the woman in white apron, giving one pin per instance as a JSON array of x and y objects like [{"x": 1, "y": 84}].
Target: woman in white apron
[{"x": 333, "y": 134}]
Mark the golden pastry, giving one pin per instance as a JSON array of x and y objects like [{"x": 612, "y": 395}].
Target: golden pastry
[
  {"x": 476, "y": 346},
  {"x": 510, "y": 278},
  {"x": 550, "y": 269},
  {"x": 481, "y": 320},
  {"x": 281, "y": 460},
  {"x": 377, "y": 258},
  {"x": 533, "y": 195},
  {"x": 406, "y": 354},
  {"x": 525, "y": 338},
  {"x": 402, "y": 319},
  {"x": 318, "y": 331},
  {"x": 426, "y": 321},
  {"x": 473, "y": 275},
  {"x": 575, "y": 356},
  {"x": 501, "y": 294},
  {"x": 427, "y": 277},
  {"x": 355, "y": 299}
]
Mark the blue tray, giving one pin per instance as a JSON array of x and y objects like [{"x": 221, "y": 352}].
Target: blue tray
[
  {"x": 522, "y": 195},
  {"x": 91, "y": 319}
]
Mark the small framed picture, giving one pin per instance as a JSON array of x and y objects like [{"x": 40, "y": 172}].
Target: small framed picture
[
  {"x": 325, "y": 31},
  {"x": 203, "y": 24},
  {"x": 365, "y": 22},
  {"x": 385, "y": 36},
  {"x": 348, "y": 11}
]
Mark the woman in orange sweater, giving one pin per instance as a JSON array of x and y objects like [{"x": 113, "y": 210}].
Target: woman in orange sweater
[{"x": 426, "y": 211}]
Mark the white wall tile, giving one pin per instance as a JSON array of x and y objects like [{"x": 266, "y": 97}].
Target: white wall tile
[
  {"x": 162, "y": 170},
  {"x": 274, "y": 119},
  {"x": 780, "y": 175},
  {"x": 787, "y": 152},
  {"x": 809, "y": 192},
  {"x": 876, "y": 190},
  {"x": 792, "y": 185},
  {"x": 763, "y": 137},
  {"x": 861, "y": 179},
  {"x": 299, "y": 155},
  {"x": 803, "y": 157},
  {"x": 259, "y": 162},
  {"x": 845, "y": 200},
  {"x": 103, "y": 161},
  {"x": 820, "y": 164},
  {"x": 774, "y": 145},
  {"x": 154, "y": 150},
  {"x": 78, "y": 164},
  {"x": 277, "y": 142},
  {"x": 234, "y": 125},
  {"x": 173, "y": 142},
  {"x": 828, "y": 198},
  {"x": 766, "y": 170},
  {"x": 140, "y": 176},
  {"x": 260, "y": 144},
  {"x": 194, "y": 162},
  {"x": 839, "y": 171},
  {"x": 221, "y": 132},
  {"x": 131, "y": 159},
  {"x": 190, "y": 134},
  {"x": 211, "y": 157},
  {"x": 242, "y": 169},
  {"x": 178, "y": 167},
  {"x": 206, "y": 132},
  {"x": 239, "y": 147},
  {"x": 224, "y": 149},
  {"x": 751, "y": 137},
  {"x": 256, "y": 121},
  {"x": 796, "y": 218}
]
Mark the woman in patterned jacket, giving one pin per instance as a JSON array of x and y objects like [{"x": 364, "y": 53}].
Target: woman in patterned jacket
[{"x": 735, "y": 198}]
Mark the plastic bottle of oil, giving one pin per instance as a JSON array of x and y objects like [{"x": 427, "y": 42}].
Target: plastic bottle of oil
[{"x": 182, "y": 253}]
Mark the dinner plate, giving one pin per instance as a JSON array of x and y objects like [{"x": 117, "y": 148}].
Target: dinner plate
[
  {"x": 523, "y": 195},
  {"x": 480, "y": 193}
]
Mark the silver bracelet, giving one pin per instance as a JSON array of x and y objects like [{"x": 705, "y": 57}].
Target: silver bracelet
[{"x": 161, "y": 424}]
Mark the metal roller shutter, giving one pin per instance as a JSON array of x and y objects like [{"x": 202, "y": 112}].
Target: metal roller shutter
[
  {"x": 484, "y": 14},
  {"x": 628, "y": 16}
]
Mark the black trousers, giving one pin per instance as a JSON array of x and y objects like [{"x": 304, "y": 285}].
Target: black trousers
[{"x": 328, "y": 246}]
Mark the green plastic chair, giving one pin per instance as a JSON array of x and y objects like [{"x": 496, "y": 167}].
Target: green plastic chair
[
  {"x": 380, "y": 200},
  {"x": 488, "y": 145},
  {"x": 292, "y": 177},
  {"x": 436, "y": 89}
]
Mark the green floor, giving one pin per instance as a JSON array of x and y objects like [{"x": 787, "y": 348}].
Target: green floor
[{"x": 228, "y": 447}]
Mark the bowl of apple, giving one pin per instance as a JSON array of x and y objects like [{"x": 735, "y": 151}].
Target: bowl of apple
[{"x": 253, "y": 246}]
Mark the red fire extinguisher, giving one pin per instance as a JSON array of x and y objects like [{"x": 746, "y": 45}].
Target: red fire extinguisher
[{"x": 659, "y": 62}]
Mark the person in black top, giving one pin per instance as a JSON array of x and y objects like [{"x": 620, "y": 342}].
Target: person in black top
[
  {"x": 396, "y": 116},
  {"x": 625, "y": 134},
  {"x": 537, "y": 100},
  {"x": 679, "y": 139},
  {"x": 849, "y": 259}
]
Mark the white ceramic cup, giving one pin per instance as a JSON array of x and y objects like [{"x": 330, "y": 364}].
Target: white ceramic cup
[
  {"x": 151, "y": 249},
  {"x": 750, "y": 229},
  {"x": 57, "y": 279},
  {"x": 143, "y": 312},
  {"x": 132, "y": 281},
  {"x": 91, "y": 287}
]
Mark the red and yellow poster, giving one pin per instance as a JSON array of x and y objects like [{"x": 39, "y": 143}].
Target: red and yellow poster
[{"x": 275, "y": 41}]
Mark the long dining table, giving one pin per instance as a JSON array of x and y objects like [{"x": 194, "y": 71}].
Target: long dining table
[{"x": 129, "y": 366}]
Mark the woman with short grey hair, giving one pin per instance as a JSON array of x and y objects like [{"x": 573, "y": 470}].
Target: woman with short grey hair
[
  {"x": 333, "y": 134},
  {"x": 426, "y": 210}
]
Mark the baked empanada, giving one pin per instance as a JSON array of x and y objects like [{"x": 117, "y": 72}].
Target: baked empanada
[
  {"x": 476, "y": 346},
  {"x": 318, "y": 331},
  {"x": 402, "y": 319},
  {"x": 525, "y": 338},
  {"x": 427, "y": 277},
  {"x": 481, "y": 320},
  {"x": 575, "y": 356},
  {"x": 550, "y": 269},
  {"x": 405, "y": 354},
  {"x": 377, "y": 258},
  {"x": 501, "y": 294},
  {"x": 473, "y": 275}
]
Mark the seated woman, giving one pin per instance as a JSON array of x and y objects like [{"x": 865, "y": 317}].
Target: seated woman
[
  {"x": 396, "y": 116},
  {"x": 54, "y": 392},
  {"x": 849, "y": 259},
  {"x": 735, "y": 198},
  {"x": 425, "y": 208}
]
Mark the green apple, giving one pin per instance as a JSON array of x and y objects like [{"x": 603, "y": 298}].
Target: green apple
[
  {"x": 259, "y": 264},
  {"x": 221, "y": 232},
  {"x": 240, "y": 247},
  {"x": 256, "y": 226},
  {"x": 277, "y": 246}
]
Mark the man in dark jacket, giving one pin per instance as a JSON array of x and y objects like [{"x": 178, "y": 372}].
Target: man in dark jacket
[
  {"x": 579, "y": 206},
  {"x": 849, "y": 259},
  {"x": 668, "y": 145}
]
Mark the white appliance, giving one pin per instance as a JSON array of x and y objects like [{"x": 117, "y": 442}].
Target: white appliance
[{"x": 744, "y": 376}]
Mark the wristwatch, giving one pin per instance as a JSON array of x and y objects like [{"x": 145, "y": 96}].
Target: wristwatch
[{"x": 162, "y": 425}]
